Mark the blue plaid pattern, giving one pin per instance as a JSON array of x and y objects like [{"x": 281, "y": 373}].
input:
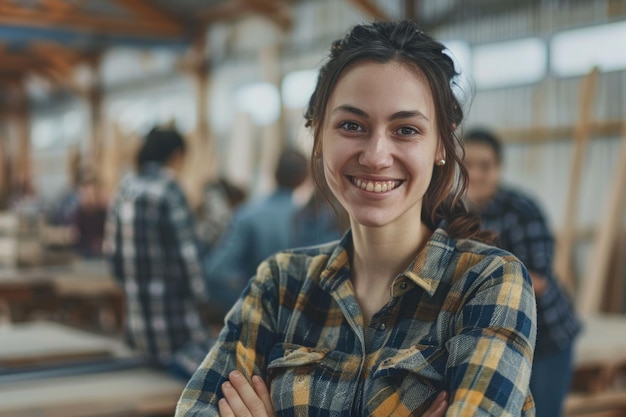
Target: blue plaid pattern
[
  {"x": 150, "y": 240},
  {"x": 461, "y": 318},
  {"x": 522, "y": 230}
]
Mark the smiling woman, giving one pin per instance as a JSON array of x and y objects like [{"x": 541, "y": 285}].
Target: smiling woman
[{"x": 409, "y": 314}]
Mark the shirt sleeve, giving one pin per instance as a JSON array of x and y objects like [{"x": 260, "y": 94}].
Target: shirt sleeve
[
  {"x": 243, "y": 344},
  {"x": 180, "y": 219},
  {"x": 530, "y": 239},
  {"x": 491, "y": 353}
]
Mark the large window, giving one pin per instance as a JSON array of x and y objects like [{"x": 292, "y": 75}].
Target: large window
[
  {"x": 575, "y": 52},
  {"x": 502, "y": 64}
]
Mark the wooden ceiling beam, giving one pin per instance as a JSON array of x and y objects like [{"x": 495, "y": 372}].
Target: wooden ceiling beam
[
  {"x": 278, "y": 11},
  {"x": 148, "y": 11},
  {"x": 370, "y": 9},
  {"x": 59, "y": 5},
  {"x": 18, "y": 62},
  {"x": 11, "y": 14},
  {"x": 230, "y": 10}
]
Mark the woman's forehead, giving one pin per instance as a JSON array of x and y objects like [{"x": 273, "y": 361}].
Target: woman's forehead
[{"x": 394, "y": 85}]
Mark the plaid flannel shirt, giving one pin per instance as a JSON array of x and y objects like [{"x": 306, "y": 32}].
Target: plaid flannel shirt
[
  {"x": 150, "y": 240},
  {"x": 461, "y": 318},
  {"x": 522, "y": 230}
]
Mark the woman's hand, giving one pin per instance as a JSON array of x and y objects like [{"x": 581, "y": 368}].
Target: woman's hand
[
  {"x": 439, "y": 407},
  {"x": 244, "y": 400}
]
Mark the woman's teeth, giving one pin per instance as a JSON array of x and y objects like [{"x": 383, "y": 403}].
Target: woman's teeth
[{"x": 375, "y": 186}]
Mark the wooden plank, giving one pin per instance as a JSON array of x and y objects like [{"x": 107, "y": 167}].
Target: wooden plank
[
  {"x": 602, "y": 341},
  {"x": 370, "y": 9},
  {"x": 616, "y": 289},
  {"x": 44, "y": 344},
  {"x": 565, "y": 242},
  {"x": 595, "y": 279},
  {"x": 605, "y": 404},
  {"x": 140, "y": 392},
  {"x": 542, "y": 134}
]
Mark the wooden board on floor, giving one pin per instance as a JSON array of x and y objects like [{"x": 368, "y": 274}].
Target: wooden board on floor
[
  {"x": 603, "y": 340},
  {"x": 29, "y": 345},
  {"x": 138, "y": 392}
]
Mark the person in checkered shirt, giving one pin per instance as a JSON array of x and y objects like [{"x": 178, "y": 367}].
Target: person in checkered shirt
[
  {"x": 151, "y": 243},
  {"x": 522, "y": 229}
]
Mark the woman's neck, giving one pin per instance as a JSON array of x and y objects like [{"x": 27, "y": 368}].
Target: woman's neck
[{"x": 380, "y": 254}]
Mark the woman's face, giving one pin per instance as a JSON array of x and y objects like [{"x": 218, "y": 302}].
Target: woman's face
[{"x": 380, "y": 143}]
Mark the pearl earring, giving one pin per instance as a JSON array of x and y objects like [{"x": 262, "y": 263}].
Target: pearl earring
[{"x": 440, "y": 162}]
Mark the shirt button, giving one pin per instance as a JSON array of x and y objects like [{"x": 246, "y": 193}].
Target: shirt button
[
  {"x": 403, "y": 285},
  {"x": 382, "y": 326},
  {"x": 300, "y": 379}
]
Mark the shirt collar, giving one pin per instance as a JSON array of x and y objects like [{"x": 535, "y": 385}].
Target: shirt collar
[{"x": 426, "y": 270}]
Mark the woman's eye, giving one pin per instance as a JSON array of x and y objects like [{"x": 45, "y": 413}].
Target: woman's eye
[
  {"x": 351, "y": 126},
  {"x": 407, "y": 131}
]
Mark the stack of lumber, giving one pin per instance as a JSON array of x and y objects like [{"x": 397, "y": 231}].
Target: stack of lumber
[
  {"x": 599, "y": 383},
  {"x": 20, "y": 241},
  {"x": 51, "y": 370}
]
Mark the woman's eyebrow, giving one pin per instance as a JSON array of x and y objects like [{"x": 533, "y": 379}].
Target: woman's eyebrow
[
  {"x": 404, "y": 114},
  {"x": 407, "y": 114},
  {"x": 351, "y": 109}
]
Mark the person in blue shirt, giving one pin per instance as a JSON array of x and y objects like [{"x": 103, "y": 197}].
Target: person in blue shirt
[
  {"x": 258, "y": 229},
  {"x": 522, "y": 230}
]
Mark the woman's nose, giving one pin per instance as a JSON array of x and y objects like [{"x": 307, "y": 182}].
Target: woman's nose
[{"x": 377, "y": 153}]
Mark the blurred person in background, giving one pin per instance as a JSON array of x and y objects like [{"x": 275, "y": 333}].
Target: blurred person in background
[
  {"x": 150, "y": 238},
  {"x": 258, "y": 229},
  {"x": 89, "y": 218},
  {"x": 522, "y": 229},
  {"x": 220, "y": 198},
  {"x": 318, "y": 221}
]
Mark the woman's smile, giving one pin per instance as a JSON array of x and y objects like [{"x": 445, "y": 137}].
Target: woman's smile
[{"x": 375, "y": 186}]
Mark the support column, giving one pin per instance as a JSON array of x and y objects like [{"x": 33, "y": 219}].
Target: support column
[
  {"x": 94, "y": 96},
  {"x": 20, "y": 120},
  {"x": 272, "y": 138},
  {"x": 201, "y": 163}
]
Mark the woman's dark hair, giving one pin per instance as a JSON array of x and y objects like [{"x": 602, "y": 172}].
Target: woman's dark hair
[
  {"x": 159, "y": 144},
  {"x": 403, "y": 42},
  {"x": 485, "y": 137}
]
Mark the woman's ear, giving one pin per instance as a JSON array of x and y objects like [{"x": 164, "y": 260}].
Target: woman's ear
[{"x": 440, "y": 154}]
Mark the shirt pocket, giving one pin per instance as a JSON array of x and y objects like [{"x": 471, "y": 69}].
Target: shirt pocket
[
  {"x": 422, "y": 362},
  {"x": 291, "y": 367},
  {"x": 298, "y": 375}
]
